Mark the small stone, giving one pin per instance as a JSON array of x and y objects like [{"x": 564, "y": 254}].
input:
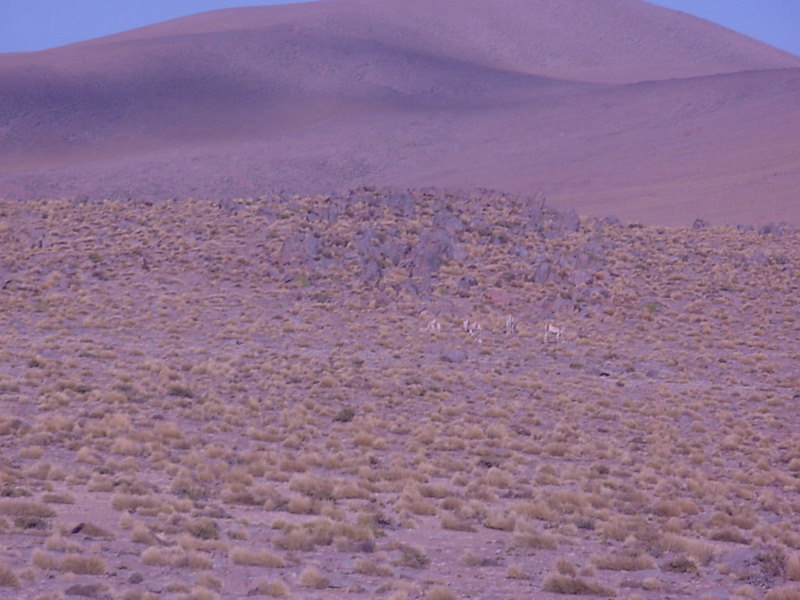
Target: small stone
[{"x": 454, "y": 355}]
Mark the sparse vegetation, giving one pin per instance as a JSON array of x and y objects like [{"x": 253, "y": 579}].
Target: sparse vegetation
[
  {"x": 7, "y": 577},
  {"x": 293, "y": 424},
  {"x": 312, "y": 577},
  {"x": 574, "y": 586}
]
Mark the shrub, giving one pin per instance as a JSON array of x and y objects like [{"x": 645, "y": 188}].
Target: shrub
[
  {"x": 203, "y": 528},
  {"x": 24, "y": 508},
  {"x": 515, "y": 572},
  {"x": 535, "y": 539},
  {"x": 450, "y": 521},
  {"x": 566, "y": 567},
  {"x": 495, "y": 519},
  {"x": 440, "y": 592},
  {"x": 7, "y": 577},
  {"x": 624, "y": 561},
  {"x": 94, "y": 531},
  {"x": 367, "y": 567},
  {"x": 574, "y": 586},
  {"x": 252, "y": 558},
  {"x": 83, "y": 565},
  {"x": 172, "y": 557},
  {"x": 59, "y": 498},
  {"x": 44, "y": 560},
  {"x": 680, "y": 564},
  {"x": 783, "y": 593},
  {"x": 411, "y": 556},
  {"x": 793, "y": 566},
  {"x": 199, "y": 561},
  {"x": 312, "y": 577},
  {"x": 273, "y": 589},
  {"x": 180, "y": 391}
]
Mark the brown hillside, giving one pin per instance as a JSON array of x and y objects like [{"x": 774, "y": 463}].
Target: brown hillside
[
  {"x": 636, "y": 110},
  {"x": 280, "y": 398}
]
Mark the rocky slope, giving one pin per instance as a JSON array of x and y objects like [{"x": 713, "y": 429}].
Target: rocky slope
[{"x": 277, "y": 398}]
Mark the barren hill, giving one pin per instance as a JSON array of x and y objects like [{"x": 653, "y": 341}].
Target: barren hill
[{"x": 623, "y": 108}]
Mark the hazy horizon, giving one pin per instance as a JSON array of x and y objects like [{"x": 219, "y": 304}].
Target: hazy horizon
[{"x": 44, "y": 24}]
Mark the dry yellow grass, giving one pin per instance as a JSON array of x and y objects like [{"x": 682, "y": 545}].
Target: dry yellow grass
[
  {"x": 563, "y": 584},
  {"x": 368, "y": 567},
  {"x": 272, "y": 588},
  {"x": 440, "y": 592},
  {"x": 300, "y": 396},
  {"x": 25, "y": 508},
  {"x": 255, "y": 558},
  {"x": 624, "y": 561},
  {"x": 515, "y": 572},
  {"x": 7, "y": 577},
  {"x": 83, "y": 565},
  {"x": 312, "y": 577},
  {"x": 783, "y": 593}
]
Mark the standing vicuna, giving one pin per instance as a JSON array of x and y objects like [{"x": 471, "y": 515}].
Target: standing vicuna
[
  {"x": 473, "y": 328},
  {"x": 434, "y": 325},
  {"x": 553, "y": 332},
  {"x": 511, "y": 325}
]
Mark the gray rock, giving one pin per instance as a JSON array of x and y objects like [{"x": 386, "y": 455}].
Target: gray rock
[
  {"x": 533, "y": 210},
  {"x": 372, "y": 271},
  {"x": 593, "y": 294},
  {"x": 266, "y": 211},
  {"x": 400, "y": 203},
  {"x": 430, "y": 252},
  {"x": 579, "y": 277},
  {"x": 333, "y": 209},
  {"x": 229, "y": 206},
  {"x": 543, "y": 273},
  {"x": 299, "y": 248},
  {"x": 453, "y": 355},
  {"x": 448, "y": 221},
  {"x": 459, "y": 254},
  {"x": 88, "y": 590},
  {"x": 519, "y": 251},
  {"x": 569, "y": 221},
  {"x": 394, "y": 251},
  {"x": 466, "y": 283},
  {"x": 777, "y": 229},
  {"x": 366, "y": 243}
]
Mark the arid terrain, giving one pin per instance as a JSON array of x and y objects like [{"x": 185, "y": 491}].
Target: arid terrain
[
  {"x": 619, "y": 107},
  {"x": 280, "y": 398},
  {"x": 269, "y": 332}
]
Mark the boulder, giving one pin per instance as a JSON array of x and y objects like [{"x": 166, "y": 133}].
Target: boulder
[
  {"x": 453, "y": 355},
  {"x": 498, "y": 297},
  {"x": 372, "y": 272},
  {"x": 467, "y": 282},
  {"x": 569, "y": 221},
  {"x": 300, "y": 248},
  {"x": 543, "y": 272},
  {"x": 431, "y": 251}
]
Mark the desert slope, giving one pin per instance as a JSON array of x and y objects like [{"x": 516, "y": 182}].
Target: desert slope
[
  {"x": 253, "y": 400},
  {"x": 636, "y": 110}
]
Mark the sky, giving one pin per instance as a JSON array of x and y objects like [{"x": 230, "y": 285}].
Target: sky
[
  {"x": 776, "y": 22},
  {"x": 39, "y": 24}
]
